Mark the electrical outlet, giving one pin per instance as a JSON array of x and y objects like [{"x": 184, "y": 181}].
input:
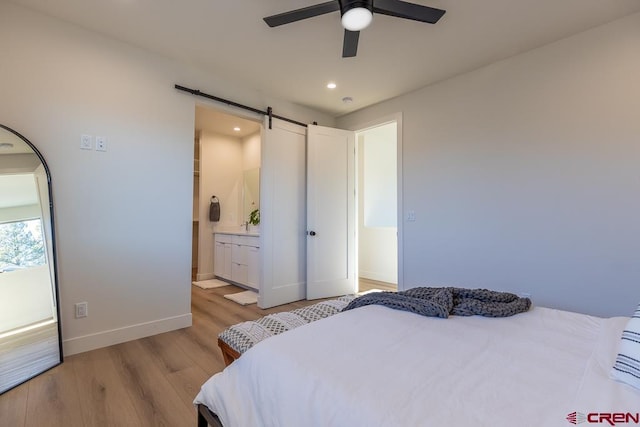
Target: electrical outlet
[
  {"x": 82, "y": 310},
  {"x": 101, "y": 143},
  {"x": 86, "y": 142}
]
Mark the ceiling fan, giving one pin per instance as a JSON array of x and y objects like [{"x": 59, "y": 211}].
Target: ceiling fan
[{"x": 357, "y": 15}]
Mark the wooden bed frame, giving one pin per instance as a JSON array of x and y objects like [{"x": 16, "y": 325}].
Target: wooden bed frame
[{"x": 228, "y": 353}]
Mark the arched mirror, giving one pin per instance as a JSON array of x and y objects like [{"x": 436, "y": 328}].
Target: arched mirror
[{"x": 30, "y": 341}]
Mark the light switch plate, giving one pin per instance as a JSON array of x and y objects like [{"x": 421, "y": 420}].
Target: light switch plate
[{"x": 86, "y": 142}]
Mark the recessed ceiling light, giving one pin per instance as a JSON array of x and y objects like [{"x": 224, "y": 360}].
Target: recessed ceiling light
[
  {"x": 331, "y": 85},
  {"x": 237, "y": 129}
]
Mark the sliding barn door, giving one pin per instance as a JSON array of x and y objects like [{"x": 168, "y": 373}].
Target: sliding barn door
[
  {"x": 331, "y": 215},
  {"x": 282, "y": 214}
]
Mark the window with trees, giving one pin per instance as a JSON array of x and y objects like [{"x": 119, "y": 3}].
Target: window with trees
[{"x": 21, "y": 245}]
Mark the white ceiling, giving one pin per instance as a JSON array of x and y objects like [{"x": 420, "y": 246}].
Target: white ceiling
[
  {"x": 395, "y": 56},
  {"x": 210, "y": 120}
]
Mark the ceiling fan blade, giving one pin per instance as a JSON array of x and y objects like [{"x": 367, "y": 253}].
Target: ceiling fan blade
[
  {"x": 350, "y": 44},
  {"x": 304, "y": 13},
  {"x": 403, "y": 9}
]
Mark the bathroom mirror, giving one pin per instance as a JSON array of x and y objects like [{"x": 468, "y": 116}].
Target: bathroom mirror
[
  {"x": 30, "y": 341},
  {"x": 251, "y": 191}
]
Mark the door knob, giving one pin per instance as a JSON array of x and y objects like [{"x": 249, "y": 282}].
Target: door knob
[{"x": 312, "y": 233}]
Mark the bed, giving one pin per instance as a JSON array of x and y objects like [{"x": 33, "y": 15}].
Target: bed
[{"x": 376, "y": 366}]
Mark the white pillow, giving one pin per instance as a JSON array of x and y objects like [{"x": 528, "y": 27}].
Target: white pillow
[{"x": 627, "y": 366}]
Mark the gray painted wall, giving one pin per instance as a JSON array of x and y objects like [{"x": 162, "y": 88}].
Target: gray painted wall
[
  {"x": 124, "y": 216},
  {"x": 524, "y": 175}
]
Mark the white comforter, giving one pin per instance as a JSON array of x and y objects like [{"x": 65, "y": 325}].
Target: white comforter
[{"x": 375, "y": 366}]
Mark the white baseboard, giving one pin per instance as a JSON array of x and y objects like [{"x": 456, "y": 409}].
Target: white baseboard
[
  {"x": 127, "y": 333},
  {"x": 205, "y": 276},
  {"x": 380, "y": 277}
]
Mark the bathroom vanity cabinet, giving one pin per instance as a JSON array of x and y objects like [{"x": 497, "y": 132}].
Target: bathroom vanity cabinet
[{"x": 237, "y": 258}]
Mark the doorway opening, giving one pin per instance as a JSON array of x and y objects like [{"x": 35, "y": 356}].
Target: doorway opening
[
  {"x": 377, "y": 189},
  {"x": 226, "y": 156}
]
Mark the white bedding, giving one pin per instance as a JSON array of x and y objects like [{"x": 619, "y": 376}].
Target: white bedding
[{"x": 375, "y": 366}]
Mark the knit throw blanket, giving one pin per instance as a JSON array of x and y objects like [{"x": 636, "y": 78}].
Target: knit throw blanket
[{"x": 442, "y": 302}]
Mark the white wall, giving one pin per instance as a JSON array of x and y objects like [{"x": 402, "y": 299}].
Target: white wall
[
  {"x": 377, "y": 204},
  {"x": 220, "y": 175},
  {"x": 524, "y": 174},
  {"x": 124, "y": 216}
]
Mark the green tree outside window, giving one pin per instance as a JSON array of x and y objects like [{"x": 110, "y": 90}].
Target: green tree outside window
[{"x": 21, "y": 245}]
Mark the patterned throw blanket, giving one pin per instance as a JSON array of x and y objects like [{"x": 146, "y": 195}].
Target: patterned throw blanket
[
  {"x": 245, "y": 335},
  {"x": 442, "y": 302}
]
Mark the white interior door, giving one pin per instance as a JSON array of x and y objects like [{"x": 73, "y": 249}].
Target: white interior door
[
  {"x": 331, "y": 216},
  {"x": 282, "y": 214}
]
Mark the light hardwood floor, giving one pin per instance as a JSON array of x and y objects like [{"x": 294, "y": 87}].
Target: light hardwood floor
[
  {"x": 146, "y": 382},
  {"x": 367, "y": 285}
]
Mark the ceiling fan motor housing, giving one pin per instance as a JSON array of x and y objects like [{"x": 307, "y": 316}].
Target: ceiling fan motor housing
[
  {"x": 347, "y": 5},
  {"x": 356, "y": 15}
]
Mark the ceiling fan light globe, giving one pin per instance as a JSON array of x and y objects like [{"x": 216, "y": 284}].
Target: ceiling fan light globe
[{"x": 357, "y": 19}]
